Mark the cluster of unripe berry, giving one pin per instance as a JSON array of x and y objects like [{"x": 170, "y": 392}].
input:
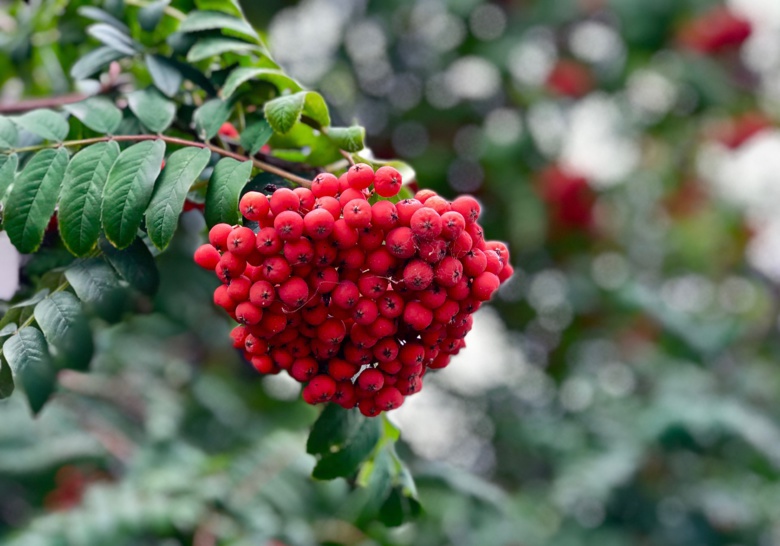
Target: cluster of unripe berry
[{"x": 354, "y": 299}]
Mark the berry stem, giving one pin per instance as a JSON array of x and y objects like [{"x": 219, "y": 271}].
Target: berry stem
[
  {"x": 172, "y": 140},
  {"x": 348, "y": 157}
]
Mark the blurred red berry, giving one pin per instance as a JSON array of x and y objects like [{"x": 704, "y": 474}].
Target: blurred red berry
[
  {"x": 714, "y": 31},
  {"x": 570, "y": 79}
]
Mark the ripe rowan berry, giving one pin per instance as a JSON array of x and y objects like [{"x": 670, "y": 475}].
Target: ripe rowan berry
[
  {"x": 207, "y": 257},
  {"x": 387, "y": 181},
  {"x": 360, "y": 176}
]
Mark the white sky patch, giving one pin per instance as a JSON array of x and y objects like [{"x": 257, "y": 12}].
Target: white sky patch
[
  {"x": 597, "y": 144},
  {"x": 9, "y": 268}
]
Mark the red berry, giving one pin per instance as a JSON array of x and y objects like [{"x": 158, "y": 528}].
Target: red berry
[
  {"x": 318, "y": 223},
  {"x": 387, "y": 181},
  {"x": 228, "y": 130},
  {"x": 284, "y": 199},
  {"x": 303, "y": 369},
  {"x": 384, "y": 215},
  {"x": 360, "y": 176},
  {"x": 321, "y": 388},
  {"x": 248, "y": 313},
  {"x": 468, "y": 207},
  {"x": 241, "y": 241},
  {"x": 389, "y": 398},
  {"x": 417, "y": 315},
  {"x": 288, "y": 225},
  {"x": 218, "y": 236},
  {"x": 357, "y": 213},
  {"x": 417, "y": 275},
  {"x": 325, "y": 184},
  {"x": 207, "y": 257},
  {"x": 267, "y": 241},
  {"x": 371, "y": 380},
  {"x": 484, "y": 285},
  {"x": 254, "y": 206}
]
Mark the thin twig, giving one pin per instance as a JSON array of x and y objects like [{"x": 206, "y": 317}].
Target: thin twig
[
  {"x": 171, "y": 140},
  {"x": 348, "y": 157}
]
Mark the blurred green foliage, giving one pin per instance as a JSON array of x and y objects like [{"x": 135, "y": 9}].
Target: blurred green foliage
[{"x": 635, "y": 393}]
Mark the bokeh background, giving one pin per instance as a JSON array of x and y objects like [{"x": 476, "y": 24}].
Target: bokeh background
[{"x": 622, "y": 388}]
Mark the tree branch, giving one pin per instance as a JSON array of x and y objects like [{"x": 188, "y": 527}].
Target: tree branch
[{"x": 172, "y": 140}]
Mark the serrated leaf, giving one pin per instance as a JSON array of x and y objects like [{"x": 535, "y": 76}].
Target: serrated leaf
[
  {"x": 8, "y": 164},
  {"x": 214, "y": 20},
  {"x": 314, "y": 107},
  {"x": 33, "y": 198},
  {"x": 114, "y": 38},
  {"x": 210, "y": 117},
  {"x": 8, "y": 133},
  {"x": 97, "y": 14},
  {"x": 332, "y": 429},
  {"x": 45, "y": 123},
  {"x": 256, "y": 134},
  {"x": 94, "y": 61},
  {"x": 65, "y": 327},
  {"x": 97, "y": 113},
  {"x": 181, "y": 170},
  {"x": 135, "y": 264},
  {"x": 82, "y": 191},
  {"x": 151, "y": 14},
  {"x": 152, "y": 109},
  {"x": 350, "y": 139},
  {"x": 165, "y": 75},
  {"x": 283, "y": 112},
  {"x": 243, "y": 74},
  {"x": 92, "y": 280},
  {"x": 210, "y": 47},
  {"x": 344, "y": 462},
  {"x": 128, "y": 190},
  {"x": 6, "y": 379},
  {"x": 28, "y": 356},
  {"x": 225, "y": 185}
]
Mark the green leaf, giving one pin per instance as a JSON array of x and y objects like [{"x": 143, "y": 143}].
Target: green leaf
[
  {"x": 32, "y": 365},
  {"x": 151, "y": 14},
  {"x": 65, "y": 327},
  {"x": 6, "y": 379},
  {"x": 209, "y": 47},
  {"x": 333, "y": 428},
  {"x": 152, "y": 109},
  {"x": 226, "y": 6},
  {"x": 114, "y": 38},
  {"x": 276, "y": 77},
  {"x": 128, "y": 190},
  {"x": 33, "y": 198},
  {"x": 343, "y": 460},
  {"x": 94, "y": 61},
  {"x": 256, "y": 134},
  {"x": 349, "y": 139},
  {"x": 135, "y": 264},
  {"x": 8, "y": 329},
  {"x": 315, "y": 108},
  {"x": 214, "y": 20},
  {"x": 82, "y": 191},
  {"x": 398, "y": 508},
  {"x": 97, "y": 113},
  {"x": 283, "y": 112},
  {"x": 165, "y": 75},
  {"x": 181, "y": 170},
  {"x": 92, "y": 280},
  {"x": 210, "y": 117},
  {"x": 225, "y": 185},
  {"x": 8, "y": 164},
  {"x": 8, "y": 133},
  {"x": 45, "y": 123},
  {"x": 97, "y": 14}
]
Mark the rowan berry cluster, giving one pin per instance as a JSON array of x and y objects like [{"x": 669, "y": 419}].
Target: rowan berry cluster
[{"x": 354, "y": 299}]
